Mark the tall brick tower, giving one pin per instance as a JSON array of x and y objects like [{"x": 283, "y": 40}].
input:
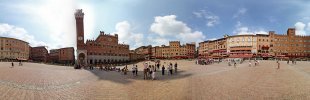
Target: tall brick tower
[
  {"x": 79, "y": 17},
  {"x": 80, "y": 45}
]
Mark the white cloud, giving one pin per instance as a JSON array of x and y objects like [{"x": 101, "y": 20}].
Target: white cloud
[
  {"x": 240, "y": 12},
  {"x": 307, "y": 18},
  {"x": 198, "y": 14},
  {"x": 157, "y": 40},
  {"x": 300, "y": 28},
  {"x": 238, "y": 24},
  {"x": 211, "y": 19},
  {"x": 124, "y": 31},
  {"x": 12, "y": 31},
  {"x": 57, "y": 17},
  {"x": 308, "y": 28},
  {"x": 168, "y": 28},
  {"x": 196, "y": 36},
  {"x": 242, "y": 30}
]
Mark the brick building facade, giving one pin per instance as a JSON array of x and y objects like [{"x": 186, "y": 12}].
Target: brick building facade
[
  {"x": 13, "y": 49},
  {"x": 174, "y": 50},
  {"x": 39, "y": 54},
  {"x": 213, "y": 49},
  {"x": 134, "y": 56},
  {"x": 53, "y": 56},
  {"x": 241, "y": 46},
  {"x": 265, "y": 46},
  {"x": 104, "y": 49},
  {"x": 289, "y": 44},
  {"x": 62, "y": 56},
  {"x": 146, "y": 51}
]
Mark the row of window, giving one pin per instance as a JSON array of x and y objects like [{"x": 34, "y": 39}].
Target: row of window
[
  {"x": 291, "y": 51},
  {"x": 291, "y": 40},
  {"x": 107, "y": 54},
  {"x": 292, "y": 45},
  {"x": 10, "y": 53},
  {"x": 243, "y": 39},
  {"x": 219, "y": 47},
  {"x": 14, "y": 49},
  {"x": 108, "y": 46},
  {"x": 12, "y": 57},
  {"x": 167, "y": 54},
  {"x": 97, "y": 61}
]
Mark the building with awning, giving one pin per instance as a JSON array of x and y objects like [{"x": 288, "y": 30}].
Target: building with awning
[{"x": 241, "y": 56}]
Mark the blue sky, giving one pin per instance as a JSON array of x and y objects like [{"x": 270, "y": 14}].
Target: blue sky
[{"x": 144, "y": 22}]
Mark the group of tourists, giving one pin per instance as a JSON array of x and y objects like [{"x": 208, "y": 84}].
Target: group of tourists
[
  {"x": 149, "y": 70},
  {"x": 134, "y": 70},
  {"x": 19, "y": 64},
  {"x": 256, "y": 62},
  {"x": 232, "y": 62},
  {"x": 169, "y": 69},
  {"x": 106, "y": 67},
  {"x": 293, "y": 61},
  {"x": 204, "y": 61}
]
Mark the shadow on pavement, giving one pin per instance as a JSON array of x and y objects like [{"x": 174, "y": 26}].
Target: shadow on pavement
[{"x": 119, "y": 77}]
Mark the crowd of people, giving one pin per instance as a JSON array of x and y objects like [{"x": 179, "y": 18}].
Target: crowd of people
[
  {"x": 256, "y": 62},
  {"x": 20, "y": 63},
  {"x": 204, "y": 61},
  {"x": 149, "y": 69},
  {"x": 104, "y": 67}
]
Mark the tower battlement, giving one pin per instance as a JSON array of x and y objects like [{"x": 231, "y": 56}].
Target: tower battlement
[{"x": 79, "y": 13}]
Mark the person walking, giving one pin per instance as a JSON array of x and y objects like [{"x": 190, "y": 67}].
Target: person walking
[
  {"x": 12, "y": 65},
  {"x": 278, "y": 65},
  {"x": 163, "y": 70},
  {"x": 125, "y": 70},
  {"x": 154, "y": 66},
  {"x": 153, "y": 73},
  {"x": 288, "y": 61},
  {"x": 170, "y": 69},
  {"x": 175, "y": 67},
  {"x": 145, "y": 71},
  {"x": 136, "y": 70},
  {"x": 250, "y": 63},
  {"x": 292, "y": 61},
  {"x": 257, "y": 62},
  {"x": 20, "y": 63},
  {"x": 133, "y": 70},
  {"x": 158, "y": 65},
  {"x": 150, "y": 71}
]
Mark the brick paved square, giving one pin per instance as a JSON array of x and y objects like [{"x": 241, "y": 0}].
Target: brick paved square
[{"x": 193, "y": 82}]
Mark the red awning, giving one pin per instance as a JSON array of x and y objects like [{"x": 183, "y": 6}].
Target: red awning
[
  {"x": 21, "y": 59},
  {"x": 241, "y": 56},
  {"x": 280, "y": 55}
]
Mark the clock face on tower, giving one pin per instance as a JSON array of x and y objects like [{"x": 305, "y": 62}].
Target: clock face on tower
[
  {"x": 80, "y": 38},
  {"x": 110, "y": 39}
]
